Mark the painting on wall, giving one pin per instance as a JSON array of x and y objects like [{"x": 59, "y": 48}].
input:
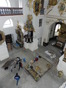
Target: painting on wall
[{"x": 36, "y": 7}]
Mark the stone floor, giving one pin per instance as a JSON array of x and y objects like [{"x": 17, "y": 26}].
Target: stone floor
[{"x": 49, "y": 80}]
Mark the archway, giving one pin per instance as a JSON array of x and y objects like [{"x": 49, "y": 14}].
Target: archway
[
  {"x": 54, "y": 30},
  {"x": 58, "y": 34},
  {"x": 58, "y": 29}
]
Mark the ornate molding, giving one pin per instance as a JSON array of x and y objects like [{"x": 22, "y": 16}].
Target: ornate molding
[
  {"x": 62, "y": 7},
  {"x": 56, "y": 17},
  {"x": 52, "y": 3}
]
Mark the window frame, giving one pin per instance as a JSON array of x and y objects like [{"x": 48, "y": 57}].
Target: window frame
[{"x": 8, "y": 25}]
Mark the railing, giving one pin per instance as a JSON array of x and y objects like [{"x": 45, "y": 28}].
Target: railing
[{"x": 6, "y": 11}]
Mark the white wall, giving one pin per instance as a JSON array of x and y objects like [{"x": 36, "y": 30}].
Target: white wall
[{"x": 14, "y": 3}]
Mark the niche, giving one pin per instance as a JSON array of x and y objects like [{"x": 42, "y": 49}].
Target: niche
[{"x": 9, "y": 41}]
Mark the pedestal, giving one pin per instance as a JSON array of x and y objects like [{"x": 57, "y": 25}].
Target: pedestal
[
  {"x": 62, "y": 65},
  {"x": 31, "y": 46},
  {"x": 63, "y": 85},
  {"x": 19, "y": 43},
  {"x": 3, "y": 52}
]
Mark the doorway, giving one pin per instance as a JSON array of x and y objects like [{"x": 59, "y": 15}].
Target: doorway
[
  {"x": 57, "y": 29},
  {"x": 8, "y": 39},
  {"x": 54, "y": 30}
]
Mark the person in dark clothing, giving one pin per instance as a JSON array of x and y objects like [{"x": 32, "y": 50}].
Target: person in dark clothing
[
  {"x": 17, "y": 78},
  {"x": 20, "y": 65}
]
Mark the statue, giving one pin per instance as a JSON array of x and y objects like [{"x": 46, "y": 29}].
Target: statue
[
  {"x": 30, "y": 29},
  {"x": 19, "y": 35}
]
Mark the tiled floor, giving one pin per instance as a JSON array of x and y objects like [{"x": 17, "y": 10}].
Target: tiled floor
[{"x": 49, "y": 80}]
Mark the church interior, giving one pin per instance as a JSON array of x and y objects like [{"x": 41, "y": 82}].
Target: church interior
[{"x": 33, "y": 43}]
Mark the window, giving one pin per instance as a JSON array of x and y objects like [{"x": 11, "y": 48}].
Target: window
[
  {"x": 42, "y": 7},
  {"x": 8, "y": 23},
  {"x": 20, "y": 3},
  {"x": 40, "y": 22},
  {"x": 5, "y": 3},
  {"x": 42, "y": 3},
  {"x": 58, "y": 26}
]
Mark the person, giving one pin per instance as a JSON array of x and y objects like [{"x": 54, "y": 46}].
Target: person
[
  {"x": 24, "y": 60},
  {"x": 20, "y": 65},
  {"x": 18, "y": 59},
  {"x": 36, "y": 59},
  {"x": 17, "y": 78}
]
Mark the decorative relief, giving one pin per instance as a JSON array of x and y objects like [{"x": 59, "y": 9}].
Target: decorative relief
[
  {"x": 52, "y": 3},
  {"x": 62, "y": 7}
]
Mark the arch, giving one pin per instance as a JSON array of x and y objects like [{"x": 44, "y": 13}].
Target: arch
[
  {"x": 8, "y": 23},
  {"x": 54, "y": 27},
  {"x": 59, "y": 28}
]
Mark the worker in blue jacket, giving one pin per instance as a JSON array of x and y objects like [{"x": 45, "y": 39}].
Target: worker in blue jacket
[{"x": 17, "y": 78}]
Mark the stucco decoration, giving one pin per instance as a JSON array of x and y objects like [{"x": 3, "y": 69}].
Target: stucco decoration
[
  {"x": 62, "y": 7},
  {"x": 52, "y": 3},
  {"x": 36, "y": 7},
  {"x": 2, "y": 37}
]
